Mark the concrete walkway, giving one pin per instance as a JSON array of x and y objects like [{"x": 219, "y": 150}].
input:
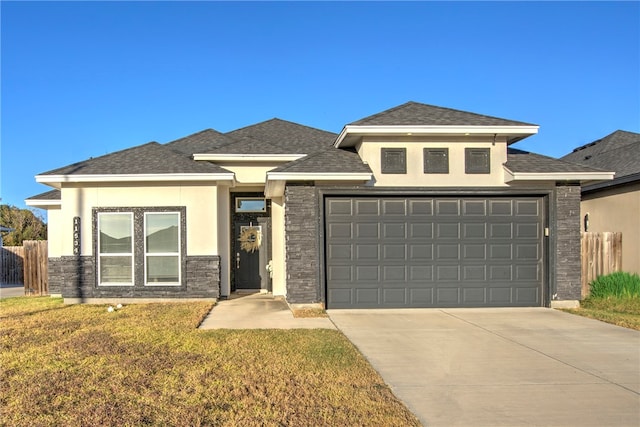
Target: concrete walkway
[
  {"x": 259, "y": 311},
  {"x": 502, "y": 367}
]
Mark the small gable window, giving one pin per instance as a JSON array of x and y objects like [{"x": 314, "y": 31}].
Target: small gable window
[
  {"x": 394, "y": 160},
  {"x": 477, "y": 160},
  {"x": 436, "y": 160}
]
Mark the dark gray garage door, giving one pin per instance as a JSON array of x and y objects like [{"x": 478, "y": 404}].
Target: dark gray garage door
[{"x": 433, "y": 252}]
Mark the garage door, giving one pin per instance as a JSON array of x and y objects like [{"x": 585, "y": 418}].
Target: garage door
[{"x": 433, "y": 252}]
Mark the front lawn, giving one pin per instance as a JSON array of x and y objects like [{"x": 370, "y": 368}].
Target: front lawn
[
  {"x": 148, "y": 365},
  {"x": 621, "y": 311}
]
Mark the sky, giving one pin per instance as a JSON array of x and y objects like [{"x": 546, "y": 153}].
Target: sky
[{"x": 83, "y": 79}]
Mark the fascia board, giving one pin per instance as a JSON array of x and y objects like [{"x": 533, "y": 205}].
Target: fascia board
[
  {"x": 558, "y": 176},
  {"x": 169, "y": 177},
  {"x": 248, "y": 157},
  {"x": 42, "y": 203},
  {"x": 521, "y": 131},
  {"x": 309, "y": 176}
]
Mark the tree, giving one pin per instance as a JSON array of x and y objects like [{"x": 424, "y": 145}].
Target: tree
[{"x": 26, "y": 224}]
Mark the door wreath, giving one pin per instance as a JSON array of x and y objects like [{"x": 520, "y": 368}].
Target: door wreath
[{"x": 250, "y": 238}]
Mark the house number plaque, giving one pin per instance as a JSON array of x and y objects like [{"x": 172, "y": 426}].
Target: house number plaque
[{"x": 76, "y": 235}]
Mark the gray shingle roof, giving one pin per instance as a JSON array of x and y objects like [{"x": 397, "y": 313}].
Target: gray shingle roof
[
  {"x": 48, "y": 195},
  {"x": 618, "y": 152},
  {"x": 524, "y": 161},
  {"x": 289, "y": 137},
  {"x": 417, "y": 114},
  {"x": 150, "y": 158},
  {"x": 330, "y": 160},
  {"x": 248, "y": 145},
  {"x": 200, "y": 142}
]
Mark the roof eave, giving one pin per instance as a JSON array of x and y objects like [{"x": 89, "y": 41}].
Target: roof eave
[
  {"x": 247, "y": 157},
  {"x": 57, "y": 180},
  {"x": 582, "y": 177},
  {"x": 43, "y": 203},
  {"x": 351, "y": 134},
  {"x": 276, "y": 181}
]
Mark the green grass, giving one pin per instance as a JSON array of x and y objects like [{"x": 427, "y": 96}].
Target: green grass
[
  {"x": 148, "y": 365},
  {"x": 619, "y": 284},
  {"x": 615, "y": 299}
]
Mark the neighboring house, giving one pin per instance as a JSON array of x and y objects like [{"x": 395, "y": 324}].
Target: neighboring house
[
  {"x": 613, "y": 205},
  {"x": 417, "y": 206}
]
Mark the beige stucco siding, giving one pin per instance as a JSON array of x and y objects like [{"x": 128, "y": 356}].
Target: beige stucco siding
[
  {"x": 617, "y": 210},
  {"x": 370, "y": 151},
  {"x": 250, "y": 172},
  {"x": 278, "y": 281},
  {"x": 200, "y": 200},
  {"x": 54, "y": 232}
]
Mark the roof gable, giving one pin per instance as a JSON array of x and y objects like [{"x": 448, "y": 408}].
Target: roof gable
[
  {"x": 288, "y": 137},
  {"x": 331, "y": 160},
  {"x": 150, "y": 158},
  {"x": 199, "y": 142},
  {"x": 417, "y": 114},
  {"x": 618, "y": 152}
]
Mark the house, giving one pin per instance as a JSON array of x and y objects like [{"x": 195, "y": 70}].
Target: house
[
  {"x": 416, "y": 206},
  {"x": 613, "y": 205}
]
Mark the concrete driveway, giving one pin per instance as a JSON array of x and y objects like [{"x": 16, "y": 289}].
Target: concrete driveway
[{"x": 502, "y": 367}]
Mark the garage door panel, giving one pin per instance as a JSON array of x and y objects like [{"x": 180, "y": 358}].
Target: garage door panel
[
  {"x": 367, "y": 207},
  {"x": 421, "y": 230},
  {"x": 421, "y": 207},
  {"x": 434, "y": 252},
  {"x": 367, "y": 252}
]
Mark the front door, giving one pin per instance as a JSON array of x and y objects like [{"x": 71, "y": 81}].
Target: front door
[
  {"x": 248, "y": 240},
  {"x": 249, "y": 247}
]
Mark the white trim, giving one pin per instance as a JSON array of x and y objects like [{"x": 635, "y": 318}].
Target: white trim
[
  {"x": 43, "y": 202},
  {"x": 320, "y": 176},
  {"x": 248, "y": 157},
  {"x": 557, "y": 176},
  {"x": 147, "y": 254},
  {"x": 56, "y": 180},
  {"x": 117, "y": 254},
  {"x": 351, "y": 130}
]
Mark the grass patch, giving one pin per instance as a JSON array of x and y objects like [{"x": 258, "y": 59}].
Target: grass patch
[
  {"x": 148, "y": 365},
  {"x": 620, "y": 311},
  {"x": 309, "y": 312},
  {"x": 615, "y": 299}
]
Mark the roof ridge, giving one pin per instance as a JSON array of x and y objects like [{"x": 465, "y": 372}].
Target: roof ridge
[{"x": 194, "y": 134}]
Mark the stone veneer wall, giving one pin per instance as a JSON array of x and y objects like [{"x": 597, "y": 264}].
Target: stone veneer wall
[
  {"x": 75, "y": 277},
  {"x": 567, "y": 256},
  {"x": 301, "y": 244}
]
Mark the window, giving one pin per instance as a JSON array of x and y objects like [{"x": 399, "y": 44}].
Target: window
[
  {"x": 477, "y": 160},
  {"x": 436, "y": 160},
  {"x": 115, "y": 248},
  {"x": 162, "y": 248},
  {"x": 251, "y": 204},
  {"x": 394, "y": 160}
]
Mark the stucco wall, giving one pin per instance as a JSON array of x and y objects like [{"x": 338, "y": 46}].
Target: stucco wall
[
  {"x": 617, "y": 209},
  {"x": 55, "y": 231},
  {"x": 200, "y": 202},
  {"x": 278, "y": 281},
  {"x": 370, "y": 148}
]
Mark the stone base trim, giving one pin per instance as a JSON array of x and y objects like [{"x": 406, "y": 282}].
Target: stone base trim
[
  {"x": 565, "y": 304},
  {"x": 128, "y": 301}
]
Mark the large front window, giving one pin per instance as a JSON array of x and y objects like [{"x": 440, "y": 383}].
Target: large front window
[
  {"x": 162, "y": 248},
  {"x": 115, "y": 248}
]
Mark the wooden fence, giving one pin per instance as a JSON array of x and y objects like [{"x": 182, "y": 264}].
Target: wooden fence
[
  {"x": 26, "y": 264},
  {"x": 12, "y": 270},
  {"x": 601, "y": 254}
]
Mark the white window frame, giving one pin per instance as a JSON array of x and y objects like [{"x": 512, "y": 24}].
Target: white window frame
[
  {"x": 177, "y": 254},
  {"x": 130, "y": 254}
]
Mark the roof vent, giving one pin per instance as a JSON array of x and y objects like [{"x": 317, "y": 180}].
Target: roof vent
[{"x": 587, "y": 157}]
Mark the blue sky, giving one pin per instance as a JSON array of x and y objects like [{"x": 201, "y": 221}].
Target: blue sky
[{"x": 82, "y": 79}]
